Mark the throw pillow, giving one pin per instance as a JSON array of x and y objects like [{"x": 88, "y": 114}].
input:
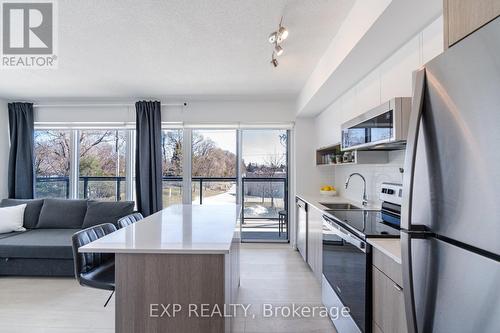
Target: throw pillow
[
  {"x": 31, "y": 213},
  {"x": 62, "y": 214},
  {"x": 12, "y": 218},
  {"x": 106, "y": 212}
]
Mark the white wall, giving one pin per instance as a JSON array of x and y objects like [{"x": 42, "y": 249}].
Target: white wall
[
  {"x": 4, "y": 148},
  {"x": 392, "y": 78},
  {"x": 304, "y": 156},
  {"x": 359, "y": 20}
]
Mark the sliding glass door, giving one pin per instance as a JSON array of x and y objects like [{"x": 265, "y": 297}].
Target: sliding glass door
[{"x": 264, "y": 185}]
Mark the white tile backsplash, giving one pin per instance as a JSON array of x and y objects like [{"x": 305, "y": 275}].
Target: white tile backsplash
[{"x": 375, "y": 175}]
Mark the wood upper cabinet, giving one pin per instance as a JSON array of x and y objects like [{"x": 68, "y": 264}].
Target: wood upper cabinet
[
  {"x": 315, "y": 241},
  {"x": 463, "y": 17}
]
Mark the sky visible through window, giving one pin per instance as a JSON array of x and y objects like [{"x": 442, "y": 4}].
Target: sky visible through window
[{"x": 263, "y": 146}]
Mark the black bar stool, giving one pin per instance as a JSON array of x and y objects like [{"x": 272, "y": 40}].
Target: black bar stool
[
  {"x": 95, "y": 270},
  {"x": 129, "y": 219},
  {"x": 282, "y": 222}
]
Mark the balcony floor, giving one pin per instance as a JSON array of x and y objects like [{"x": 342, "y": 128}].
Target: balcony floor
[{"x": 262, "y": 230}]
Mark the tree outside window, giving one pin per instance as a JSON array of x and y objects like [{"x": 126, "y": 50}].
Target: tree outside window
[
  {"x": 171, "y": 148},
  {"x": 52, "y": 163},
  {"x": 102, "y": 164},
  {"x": 214, "y": 156}
]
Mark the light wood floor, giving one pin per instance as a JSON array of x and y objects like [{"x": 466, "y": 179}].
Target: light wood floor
[{"x": 270, "y": 274}]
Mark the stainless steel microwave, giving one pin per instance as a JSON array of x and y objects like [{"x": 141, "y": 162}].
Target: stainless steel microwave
[{"x": 383, "y": 127}]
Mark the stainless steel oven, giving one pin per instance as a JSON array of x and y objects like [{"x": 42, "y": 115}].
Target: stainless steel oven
[
  {"x": 379, "y": 128},
  {"x": 346, "y": 280}
]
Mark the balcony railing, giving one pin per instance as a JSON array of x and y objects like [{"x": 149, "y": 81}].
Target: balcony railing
[
  {"x": 52, "y": 187},
  {"x": 262, "y": 197},
  {"x": 111, "y": 188}
]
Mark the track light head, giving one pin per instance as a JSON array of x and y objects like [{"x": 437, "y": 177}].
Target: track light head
[
  {"x": 278, "y": 50},
  {"x": 282, "y": 34},
  {"x": 273, "y": 37},
  {"x": 274, "y": 61}
]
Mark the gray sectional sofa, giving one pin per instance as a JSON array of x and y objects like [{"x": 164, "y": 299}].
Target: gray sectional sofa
[{"x": 44, "y": 249}]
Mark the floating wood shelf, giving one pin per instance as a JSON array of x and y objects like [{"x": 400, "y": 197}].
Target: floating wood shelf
[{"x": 325, "y": 156}]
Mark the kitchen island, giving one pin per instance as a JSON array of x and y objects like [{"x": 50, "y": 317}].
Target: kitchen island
[{"x": 176, "y": 270}]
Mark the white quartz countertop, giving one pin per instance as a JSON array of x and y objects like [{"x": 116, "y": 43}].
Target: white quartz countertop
[
  {"x": 318, "y": 199},
  {"x": 391, "y": 247},
  {"x": 176, "y": 229}
]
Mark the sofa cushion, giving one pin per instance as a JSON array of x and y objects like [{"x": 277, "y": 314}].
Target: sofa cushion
[
  {"x": 39, "y": 243},
  {"x": 62, "y": 214},
  {"x": 31, "y": 213},
  {"x": 10, "y": 234},
  {"x": 99, "y": 212}
]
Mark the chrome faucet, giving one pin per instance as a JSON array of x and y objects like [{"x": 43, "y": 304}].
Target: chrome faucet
[{"x": 365, "y": 201}]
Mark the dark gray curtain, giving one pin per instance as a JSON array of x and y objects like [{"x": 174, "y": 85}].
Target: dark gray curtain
[
  {"x": 21, "y": 158},
  {"x": 148, "y": 173}
]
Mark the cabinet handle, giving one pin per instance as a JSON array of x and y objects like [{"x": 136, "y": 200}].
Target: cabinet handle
[{"x": 398, "y": 288}]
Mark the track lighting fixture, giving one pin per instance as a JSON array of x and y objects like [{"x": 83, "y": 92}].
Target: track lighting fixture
[
  {"x": 276, "y": 38},
  {"x": 274, "y": 61}
]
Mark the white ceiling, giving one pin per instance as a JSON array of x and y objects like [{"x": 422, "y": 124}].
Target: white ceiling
[{"x": 130, "y": 48}]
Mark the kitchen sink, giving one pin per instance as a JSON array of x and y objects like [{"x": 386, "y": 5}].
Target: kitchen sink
[{"x": 339, "y": 206}]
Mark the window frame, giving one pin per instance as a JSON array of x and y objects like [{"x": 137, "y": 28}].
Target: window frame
[{"x": 74, "y": 174}]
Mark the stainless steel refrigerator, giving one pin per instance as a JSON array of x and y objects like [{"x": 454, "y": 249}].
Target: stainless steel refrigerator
[{"x": 451, "y": 211}]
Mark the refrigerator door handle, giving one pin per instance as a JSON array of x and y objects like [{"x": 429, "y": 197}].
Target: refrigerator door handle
[
  {"x": 411, "y": 148},
  {"x": 409, "y": 167}
]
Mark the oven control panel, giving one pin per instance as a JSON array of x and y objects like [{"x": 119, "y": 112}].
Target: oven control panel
[{"x": 391, "y": 192}]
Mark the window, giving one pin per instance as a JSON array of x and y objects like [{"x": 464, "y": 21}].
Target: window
[
  {"x": 52, "y": 163},
  {"x": 171, "y": 149},
  {"x": 102, "y": 164},
  {"x": 214, "y": 166},
  {"x": 264, "y": 181}
]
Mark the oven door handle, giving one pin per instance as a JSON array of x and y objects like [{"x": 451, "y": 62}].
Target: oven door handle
[{"x": 344, "y": 234}]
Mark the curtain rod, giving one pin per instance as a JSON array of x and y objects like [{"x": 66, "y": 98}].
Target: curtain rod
[{"x": 183, "y": 104}]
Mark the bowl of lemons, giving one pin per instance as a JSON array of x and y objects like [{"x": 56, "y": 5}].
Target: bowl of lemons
[{"x": 328, "y": 191}]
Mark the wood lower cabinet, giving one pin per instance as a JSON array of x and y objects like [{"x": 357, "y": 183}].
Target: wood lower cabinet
[
  {"x": 463, "y": 17},
  {"x": 387, "y": 295},
  {"x": 315, "y": 241}
]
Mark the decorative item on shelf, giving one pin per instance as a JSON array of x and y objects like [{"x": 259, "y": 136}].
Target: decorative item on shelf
[
  {"x": 328, "y": 191},
  {"x": 347, "y": 157},
  {"x": 338, "y": 158}
]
